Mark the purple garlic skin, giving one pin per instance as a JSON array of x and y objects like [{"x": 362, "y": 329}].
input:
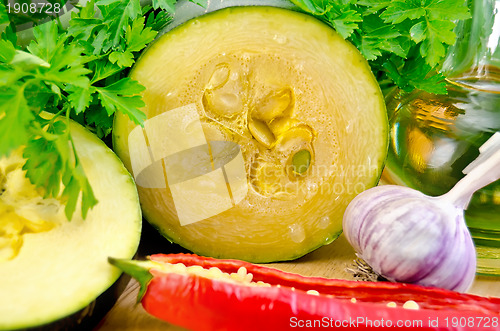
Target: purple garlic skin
[{"x": 409, "y": 237}]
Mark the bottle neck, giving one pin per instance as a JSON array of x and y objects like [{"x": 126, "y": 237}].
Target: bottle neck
[{"x": 475, "y": 57}]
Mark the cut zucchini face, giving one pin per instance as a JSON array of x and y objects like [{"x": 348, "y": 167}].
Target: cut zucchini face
[
  {"x": 300, "y": 104},
  {"x": 51, "y": 269}
]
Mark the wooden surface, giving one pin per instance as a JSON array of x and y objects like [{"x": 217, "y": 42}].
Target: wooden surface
[{"x": 330, "y": 261}]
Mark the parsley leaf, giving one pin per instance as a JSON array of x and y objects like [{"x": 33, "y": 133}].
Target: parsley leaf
[
  {"x": 384, "y": 31},
  {"x": 374, "y": 30},
  {"x": 75, "y": 181},
  {"x": 343, "y": 19},
  {"x": 80, "y": 97},
  {"x": 447, "y": 10},
  {"x": 117, "y": 15},
  {"x": 123, "y": 96},
  {"x": 432, "y": 23},
  {"x": 415, "y": 73},
  {"x": 137, "y": 36},
  {"x": 398, "y": 11},
  {"x": 51, "y": 149},
  {"x": 7, "y": 51},
  {"x": 15, "y": 117},
  {"x": 122, "y": 59},
  {"x": 433, "y": 35}
]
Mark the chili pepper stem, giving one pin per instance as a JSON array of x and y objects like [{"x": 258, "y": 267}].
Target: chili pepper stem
[
  {"x": 137, "y": 269},
  {"x": 481, "y": 172}
]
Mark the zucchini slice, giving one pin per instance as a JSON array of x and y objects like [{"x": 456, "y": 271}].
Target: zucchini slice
[{"x": 301, "y": 104}]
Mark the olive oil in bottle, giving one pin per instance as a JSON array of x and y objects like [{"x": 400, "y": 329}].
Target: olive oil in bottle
[{"x": 434, "y": 137}]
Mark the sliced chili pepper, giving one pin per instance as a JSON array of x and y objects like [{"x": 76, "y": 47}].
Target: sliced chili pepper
[{"x": 278, "y": 300}]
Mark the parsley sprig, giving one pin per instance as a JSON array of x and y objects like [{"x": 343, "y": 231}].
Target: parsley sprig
[
  {"x": 404, "y": 40},
  {"x": 80, "y": 72}
]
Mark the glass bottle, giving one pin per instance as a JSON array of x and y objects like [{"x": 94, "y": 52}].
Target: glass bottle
[{"x": 433, "y": 137}]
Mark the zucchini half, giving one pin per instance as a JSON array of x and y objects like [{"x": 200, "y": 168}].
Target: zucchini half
[{"x": 54, "y": 273}]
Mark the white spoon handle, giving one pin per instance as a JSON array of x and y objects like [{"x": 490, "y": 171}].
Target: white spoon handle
[{"x": 485, "y": 169}]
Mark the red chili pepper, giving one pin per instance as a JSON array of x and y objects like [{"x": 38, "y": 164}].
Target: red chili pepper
[{"x": 201, "y": 302}]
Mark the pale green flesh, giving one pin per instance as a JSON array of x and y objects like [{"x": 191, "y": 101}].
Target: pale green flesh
[
  {"x": 334, "y": 94},
  {"x": 61, "y": 271}
]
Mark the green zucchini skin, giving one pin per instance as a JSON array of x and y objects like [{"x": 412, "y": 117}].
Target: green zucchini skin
[
  {"x": 90, "y": 316},
  {"x": 62, "y": 280}
]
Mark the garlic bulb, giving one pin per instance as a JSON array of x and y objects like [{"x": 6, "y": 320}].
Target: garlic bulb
[{"x": 407, "y": 236}]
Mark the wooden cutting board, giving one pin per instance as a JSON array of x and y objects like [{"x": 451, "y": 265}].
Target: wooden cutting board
[{"x": 331, "y": 261}]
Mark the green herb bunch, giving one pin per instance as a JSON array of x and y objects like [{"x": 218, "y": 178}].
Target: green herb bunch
[
  {"x": 405, "y": 41},
  {"x": 81, "y": 72}
]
